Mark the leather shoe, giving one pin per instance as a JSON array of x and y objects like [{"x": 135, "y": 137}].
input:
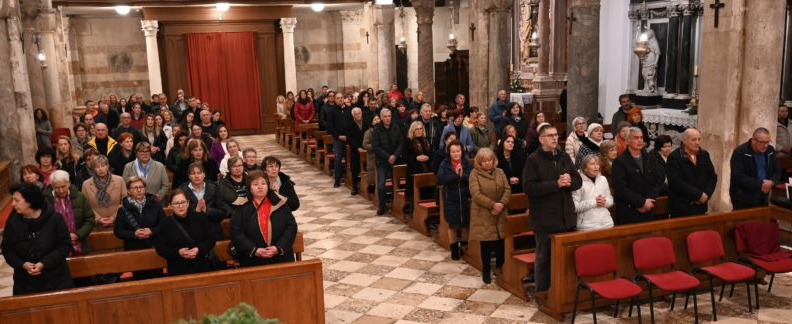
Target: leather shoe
[
  {"x": 354, "y": 191},
  {"x": 380, "y": 211},
  {"x": 336, "y": 185}
]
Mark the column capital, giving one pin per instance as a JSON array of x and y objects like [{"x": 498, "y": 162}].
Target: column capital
[
  {"x": 351, "y": 16},
  {"x": 383, "y": 15},
  {"x": 150, "y": 27},
  {"x": 46, "y": 22},
  {"x": 500, "y": 5},
  {"x": 424, "y": 11},
  {"x": 288, "y": 24}
]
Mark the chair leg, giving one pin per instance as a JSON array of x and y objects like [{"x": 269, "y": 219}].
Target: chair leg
[
  {"x": 731, "y": 293},
  {"x": 695, "y": 306},
  {"x": 574, "y": 308},
  {"x": 673, "y": 300},
  {"x": 756, "y": 291},
  {"x": 638, "y": 308},
  {"x": 770, "y": 286},
  {"x": 594, "y": 306},
  {"x": 687, "y": 297},
  {"x": 629, "y": 311},
  {"x": 616, "y": 312},
  {"x": 651, "y": 303},
  {"x": 723, "y": 288},
  {"x": 712, "y": 299},
  {"x": 748, "y": 289}
]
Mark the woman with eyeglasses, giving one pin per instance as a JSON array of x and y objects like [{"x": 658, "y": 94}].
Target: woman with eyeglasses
[
  {"x": 138, "y": 221},
  {"x": 186, "y": 238},
  {"x": 233, "y": 187},
  {"x": 153, "y": 172}
]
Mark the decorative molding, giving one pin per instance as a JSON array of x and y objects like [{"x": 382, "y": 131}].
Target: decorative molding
[
  {"x": 288, "y": 24},
  {"x": 351, "y": 16},
  {"x": 150, "y": 27},
  {"x": 14, "y": 29}
]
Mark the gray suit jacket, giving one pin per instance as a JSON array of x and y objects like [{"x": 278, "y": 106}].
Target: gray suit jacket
[{"x": 157, "y": 182}]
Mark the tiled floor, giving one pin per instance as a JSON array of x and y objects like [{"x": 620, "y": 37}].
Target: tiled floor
[{"x": 378, "y": 270}]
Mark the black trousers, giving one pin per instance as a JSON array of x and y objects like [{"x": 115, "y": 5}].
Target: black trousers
[{"x": 489, "y": 247}]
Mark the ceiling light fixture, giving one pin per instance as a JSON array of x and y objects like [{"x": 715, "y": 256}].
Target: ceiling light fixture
[
  {"x": 122, "y": 9},
  {"x": 317, "y": 6},
  {"x": 383, "y": 2},
  {"x": 222, "y": 6}
]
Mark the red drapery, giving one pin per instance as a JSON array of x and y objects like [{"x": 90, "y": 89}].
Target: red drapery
[{"x": 222, "y": 70}]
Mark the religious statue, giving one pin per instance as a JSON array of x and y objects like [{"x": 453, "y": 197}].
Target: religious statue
[
  {"x": 649, "y": 63},
  {"x": 526, "y": 25}
]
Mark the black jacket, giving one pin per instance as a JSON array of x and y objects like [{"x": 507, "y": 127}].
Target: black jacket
[
  {"x": 338, "y": 120},
  {"x": 552, "y": 208},
  {"x": 171, "y": 239},
  {"x": 216, "y": 209},
  {"x": 521, "y": 126},
  {"x": 354, "y": 134},
  {"x": 745, "y": 187},
  {"x": 151, "y": 218},
  {"x": 287, "y": 190},
  {"x": 118, "y": 161},
  {"x": 111, "y": 119},
  {"x": 632, "y": 186},
  {"x": 368, "y": 114},
  {"x": 136, "y": 136},
  {"x": 161, "y": 142},
  {"x": 456, "y": 199},
  {"x": 386, "y": 142},
  {"x": 432, "y": 131},
  {"x": 686, "y": 182},
  {"x": 46, "y": 240},
  {"x": 324, "y": 116},
  {"x": 228, "y": 190},
  {"x": 246, "y": 235},
  {"x": 410, "y": 155},
  {"x": 513, "y": 167}
]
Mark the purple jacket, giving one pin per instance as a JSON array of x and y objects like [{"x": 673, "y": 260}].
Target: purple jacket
[{"x": 217, "y": 152}]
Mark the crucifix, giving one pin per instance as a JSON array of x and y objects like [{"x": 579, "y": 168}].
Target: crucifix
[
  {"x": 717, "y": 6},
  {"x": 472, "y": 32},
  {"x": 572, "y": 19},
  {"x": 367, "y": 36}
]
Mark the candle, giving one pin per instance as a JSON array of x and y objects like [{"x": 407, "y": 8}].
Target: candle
[{"x": 695, "y": 70}]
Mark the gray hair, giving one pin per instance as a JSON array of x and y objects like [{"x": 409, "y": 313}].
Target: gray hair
[
  {"x": 632, "y": 130},
  {"x": 426, "y": 105},
  {"x": 587, "y": 159},
  {"x": 126, "y": 114},
  {"x": 59, "y": 176},
  {"x": 579, "y": 119},
  {"x": 687, "y": 132},
  {"x": 356, "y": 109},
  {"x": 384, "y": 111}
]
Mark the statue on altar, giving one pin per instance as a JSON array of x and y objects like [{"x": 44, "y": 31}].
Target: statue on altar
[
  {"x": 649, "y": 65},
  {"x": 526, "y": 25}
]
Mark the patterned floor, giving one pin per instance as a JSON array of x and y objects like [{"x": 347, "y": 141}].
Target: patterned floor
[{"x": 378, "y": 270}]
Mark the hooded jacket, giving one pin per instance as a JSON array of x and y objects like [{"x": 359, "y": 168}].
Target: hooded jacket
[{"x": 246, "y": 235}]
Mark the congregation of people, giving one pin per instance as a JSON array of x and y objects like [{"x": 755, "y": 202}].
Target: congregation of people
[{"x": 112, "y": 174}]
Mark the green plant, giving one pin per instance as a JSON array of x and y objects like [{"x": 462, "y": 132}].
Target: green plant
[
  {"x": 240, "y": 314},
  {"x": 516, "y": 87}
]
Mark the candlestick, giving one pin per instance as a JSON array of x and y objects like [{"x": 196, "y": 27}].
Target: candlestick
[{"x": 695, "y": 70}]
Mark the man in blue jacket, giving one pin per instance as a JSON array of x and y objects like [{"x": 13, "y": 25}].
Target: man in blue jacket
[
  {"x": 754, "y": 171},
  {"x": 498, "y": 110}
]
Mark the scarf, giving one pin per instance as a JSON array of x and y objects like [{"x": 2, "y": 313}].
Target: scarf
[
  {"x": 275, "y": 184},
  {"x": 63, "y": 206},
  {"x": 142, "y": 170},
  {"x": 139, "y": 204},
  {"x": 101, "y": 190},
  {"x": 456, "y": 165},
  {"x": 263, "y": 211},
  {"x": 421, "y": 147}
]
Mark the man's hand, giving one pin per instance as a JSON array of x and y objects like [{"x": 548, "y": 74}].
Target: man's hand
[
  {"x": 703, "y": 199},
  {"x": 648, "y": 204},
  {"x": 422, "y": 158},
  {"x": 767, "y": 185},
  {"x": 392, "y": 159},
  {"x": 564, "y": 180},
  {"x": 342, "y": 138},
  {"x": 74, "y": 237}
]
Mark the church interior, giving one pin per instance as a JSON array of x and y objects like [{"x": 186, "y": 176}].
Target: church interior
[{"x": 711, "y": 76}]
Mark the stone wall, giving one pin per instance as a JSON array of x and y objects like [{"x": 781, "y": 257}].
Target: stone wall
[{"x": 108, "y": 55}]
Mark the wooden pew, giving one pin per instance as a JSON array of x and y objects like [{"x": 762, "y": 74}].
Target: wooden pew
[
  {"x": 288, "y": 133},
  {"x": 563, "y": 281},
  {"x": 472, "y": 253},
  {"x": 364, "y": 176},
  {"x": 299, "y": 297},
  {"x": 329, "y": 155},
  {"x": 309, "y": 130},
  {"x": 320, "y": 150},
  {"x": 518, "y": 263},
  {"x": 399, "y": 181},
  {"x": 660, "y": 211},
  {"x": 279, "y": 128},
  {"x": 423, "y": 207}
]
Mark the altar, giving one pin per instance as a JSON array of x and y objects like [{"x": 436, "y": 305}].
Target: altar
[
  {"x": 671, "y": 122},
  {"x": 524, "y": 99}
]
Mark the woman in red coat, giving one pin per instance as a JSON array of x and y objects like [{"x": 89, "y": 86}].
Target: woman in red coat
[{"x": 304, "y": 108}]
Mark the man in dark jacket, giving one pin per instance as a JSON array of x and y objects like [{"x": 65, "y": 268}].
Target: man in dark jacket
[
  {"x": 417, "y": 102},
  {"x": 354, "y": 132},
  {"x": 754, "y": 171},
  {"x": 108, "y": 116},
  {"x": 326, "y": 108},
  {"x": 621, "y": 114},
  {"x": 337, "y": 124},
  {"x": 691, "y": 177},
  {"x": 637, "y": 179},
  {"x": 498, "y": 111},
  {"x": 549, "y": 180},
  {"x": 386, "y": 141},
  {"x": 432, "y": 127},
  {"x": 371, "y": 110}
]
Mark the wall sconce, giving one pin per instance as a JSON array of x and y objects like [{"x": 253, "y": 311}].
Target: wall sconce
[
  {"x": 41, "y": 57},
  {"x": 452, "y": 43}
]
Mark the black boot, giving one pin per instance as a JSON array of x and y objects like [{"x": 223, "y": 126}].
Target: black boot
[
  {"x": 380, "y": 211},
  {"x": 455, "y": 251},
  {"x": 354, "y": 190},
  {"x": 486, "y": 277}
]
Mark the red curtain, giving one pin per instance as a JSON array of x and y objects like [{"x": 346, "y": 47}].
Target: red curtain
[{"x": 222, "y": 70}]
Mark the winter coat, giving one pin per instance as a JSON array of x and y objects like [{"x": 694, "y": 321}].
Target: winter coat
[
  {"x": 218, "y": 151},
  {"x": 160, "y": 141},
  {"x": 513, "y": 167},
  {"x": 481, "y": 138},
  {"x": 632, "y": 186},
  {"x": 496, "y": 114},
  {"x": 745, "y": 187},
  {"x": 216, "y": 209},
  {"x": 354, "y": 135},
  {"x": 45, "y": 239},
  {"x": 117, "y": 191},
  {"x": 587, "y": 147},
  {"x": 521, "y": 126},
  {"x": 118, "y": 161},
  {"x": 157, "y": 182},
  {"x": 552, "y": 208},
  {"x": 410, "y": 155},
  {"x": 304, "y": 111},
  {"x": 43, "y": 132},
  {"x": 783, "y": 139},
  {"x": 486, "y": 189},
  {"x": 432, "y": 130},
  {"x": 371, "y": 157},
  {"x": 463, "y": 138},
  {"x": 456, "y": 198},
  {"x": 287, "y": 190},
  {"x": 246, "y": 233},
  {"x": 589, "y": 215},
  {"x": 171, "y": 239},
  {"x": 151, "y": 218},
  {"x": 572, "y": 146},
  {"x": 686, "y": 182},
  {"x": 84, "y": 219},
  {"x": 101, "y": 149},
  {"x": 386, "y": 142},
  {"x": 338, "y": 121}
]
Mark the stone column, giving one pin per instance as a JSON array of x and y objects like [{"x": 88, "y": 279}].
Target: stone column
[
  {"x": 59, "y": 115},
  {"x": 289, "y": 62},
  {"x": 634, "y": 70},
  {"x": 739, "y": 77},
  {"x": 30, "y": 40},
  {"x": 558, "y": 43},
  {"x": 150, "y": 29},
  {"x": 499, "y": 42},
  {"x": 386, "y": 45},
  {"x": 544, "y": 38},
  {"x": 546, "y": 89},
  {"x": 684, "y": 54},
  {"x": 787, "y": 90},
  {"x": 479, "y": 55},
  {"x": 583, "y": 86},
  {"x": 673, "y": 53},
  {"x": 22, "y": 116},
  {"x": 424, "y": 11}
]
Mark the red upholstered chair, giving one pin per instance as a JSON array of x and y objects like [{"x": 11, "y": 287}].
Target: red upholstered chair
[
  {"x": 597, "y": 260},
  {"x": 657, "y": 253},
  {"x": 749, "y": 238},
  {"x": 57, "y": 132},
  {"x": 706, "y": 247}
]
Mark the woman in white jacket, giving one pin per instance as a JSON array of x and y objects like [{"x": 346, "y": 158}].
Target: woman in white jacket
[{"x": 594, "y": 198}]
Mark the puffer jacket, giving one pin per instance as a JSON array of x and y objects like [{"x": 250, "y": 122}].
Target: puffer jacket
[
  {"x": 589, "y": 215},
  {"x": 486, "y": 189}
]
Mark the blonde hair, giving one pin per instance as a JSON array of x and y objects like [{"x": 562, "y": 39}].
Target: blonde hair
[
  {"x": 485, "y": 153},
  {"x": 413, "y": 126}
]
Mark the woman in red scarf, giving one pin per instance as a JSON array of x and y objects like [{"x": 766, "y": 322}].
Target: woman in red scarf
[{"x": 263, "y": 229}]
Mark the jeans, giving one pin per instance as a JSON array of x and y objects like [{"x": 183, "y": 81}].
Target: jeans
[
  {"x": 338, "y": 151},
  {"x": 383, "y": 172},
  {"x": 542, "y": 263}
]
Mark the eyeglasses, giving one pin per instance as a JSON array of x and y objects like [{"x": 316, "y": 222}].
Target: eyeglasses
[
  {"x": 179, "y": 203},
  {"x": 146, "y": 151},
  {"x": 550, "y": 135}
]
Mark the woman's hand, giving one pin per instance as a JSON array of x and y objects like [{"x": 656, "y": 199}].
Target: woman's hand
[
  {"x": 201, "y": 206},
  {"x": 422, "y": 158},
  {"x": 266, "y": 252},
  {"x": 74, "y": 237},
  {"x": 184, "y": 253},
  {"x": 497, "y": 208},
  {"x": 514, "y": 180}
]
